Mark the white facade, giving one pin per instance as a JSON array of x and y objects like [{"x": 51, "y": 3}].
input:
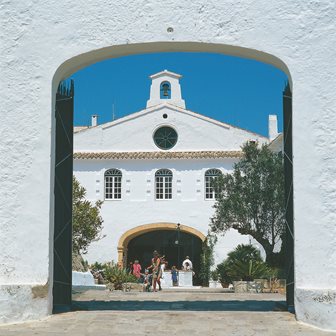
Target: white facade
[
  {"x": 133, "y": 135},
  {"x": 297, "y": 37}
]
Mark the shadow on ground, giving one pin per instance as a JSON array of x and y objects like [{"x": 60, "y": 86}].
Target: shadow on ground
[{"x": 234, "y": 305}]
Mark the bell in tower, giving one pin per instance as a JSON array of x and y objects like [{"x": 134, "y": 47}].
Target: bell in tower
[{"x": 165, "y": 90}]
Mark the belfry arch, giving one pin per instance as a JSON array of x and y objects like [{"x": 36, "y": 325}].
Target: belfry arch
[{"x": 142, "y": 229}]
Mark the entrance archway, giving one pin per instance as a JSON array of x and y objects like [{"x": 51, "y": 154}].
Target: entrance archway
[
  {"x": 173, "y": 245},
  {"x": 58, "y": 173},
  {"x": 165, "y": 242}
]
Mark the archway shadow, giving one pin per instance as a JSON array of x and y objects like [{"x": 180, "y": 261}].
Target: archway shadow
[{"x": 232, "y": 305}]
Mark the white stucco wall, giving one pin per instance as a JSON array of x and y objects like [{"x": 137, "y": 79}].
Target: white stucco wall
[
  {"x": 44, "y": 42},
  {"x": 138, "y": 205},
  {"x": 135, "y": 132}
]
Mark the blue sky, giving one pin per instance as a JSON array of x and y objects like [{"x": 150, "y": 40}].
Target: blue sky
[{"x": 238, "y": 91}]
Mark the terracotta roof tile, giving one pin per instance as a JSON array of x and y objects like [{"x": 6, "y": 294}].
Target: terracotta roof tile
[{"x": 156, "y": 155}]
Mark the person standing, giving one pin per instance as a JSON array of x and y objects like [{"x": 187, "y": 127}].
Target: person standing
[
  {"x": 156, "y": 270},
  {"x": 187, "y": 264},
  {"x": 136, "y": 269},
  {"x": 162, "y": 269},
  {"x": 174, "y": 274}
]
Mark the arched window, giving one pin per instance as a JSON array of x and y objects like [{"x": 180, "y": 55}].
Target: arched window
[
  {"x": 210, "y": 176},
  {"x": 113, "y": 184},
  {"x": 163, "y": 184},
  {"x": 165, "y": 92}
]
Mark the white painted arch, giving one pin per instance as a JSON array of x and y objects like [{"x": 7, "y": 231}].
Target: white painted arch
[
  {"x": 40, "y": 43},
  {"x": 81, "y": 61}
]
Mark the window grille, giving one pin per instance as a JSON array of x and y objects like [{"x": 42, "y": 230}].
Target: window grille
[
  {"x": 163, "y": 184},
  {"x": 165, "y": 137},
  {"x": 210, "y": 176},
  {"x": 113, "y": 184}
]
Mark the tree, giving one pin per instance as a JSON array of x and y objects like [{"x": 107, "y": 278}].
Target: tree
[
  {"x": 86, "y": 220},
  {"x": 251, "y": 199},
  {"x": 207, "y": 259}
]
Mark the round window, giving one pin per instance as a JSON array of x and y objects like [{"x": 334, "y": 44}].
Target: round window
[{"x": 165, "y": 137}]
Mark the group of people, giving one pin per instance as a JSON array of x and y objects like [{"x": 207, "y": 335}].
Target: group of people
[{"x": 151, "y": 279}]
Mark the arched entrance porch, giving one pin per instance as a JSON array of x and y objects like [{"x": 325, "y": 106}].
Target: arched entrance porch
[{"x": 166, "y": 238}]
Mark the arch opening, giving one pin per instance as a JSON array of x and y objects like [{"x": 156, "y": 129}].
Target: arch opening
[
  {"x": 165, "y": 90},
  {"x": 170, "y": 244},
  {"x": 140, "y": 242},
  {"x": 80, "y": 61}
]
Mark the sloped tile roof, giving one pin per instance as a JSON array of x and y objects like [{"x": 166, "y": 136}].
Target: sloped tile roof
[{"x": 156, "y": 155}]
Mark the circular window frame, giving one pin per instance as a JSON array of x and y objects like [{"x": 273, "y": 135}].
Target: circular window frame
[{"x": 160, "y": 128}]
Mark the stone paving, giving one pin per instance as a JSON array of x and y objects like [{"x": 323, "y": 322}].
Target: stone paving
[{"x": 140, "y": 314}]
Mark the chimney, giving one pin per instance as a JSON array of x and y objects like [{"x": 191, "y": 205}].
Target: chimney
[
  {"x": 272, "y": 127},
  {"x": 94, "y": 120}
]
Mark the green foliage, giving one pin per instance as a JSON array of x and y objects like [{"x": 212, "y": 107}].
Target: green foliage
[
  {"x": 117, "y": 276},
  {"x": 113, "y": 274},
  {"x": 86, "y": 220},
  {"x": 98, "y": 266},
  {"x": 207, "y": 259},
  {"x": 243, "y": 263},
  {"x": 245, "y": 253},
  {"x": 248, "y": 271},
  {"x": 251, "y": 199},
  {"x": 214, "y": 275},
  {"x": 85, "y": 264}
]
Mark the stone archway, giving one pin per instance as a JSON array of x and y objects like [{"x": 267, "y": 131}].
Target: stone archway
[
  {"x": 82, "y": 60},
  {"x": 139, "y": 230}
]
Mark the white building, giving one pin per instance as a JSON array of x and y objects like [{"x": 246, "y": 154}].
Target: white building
[{"x": 153, "y": 169}]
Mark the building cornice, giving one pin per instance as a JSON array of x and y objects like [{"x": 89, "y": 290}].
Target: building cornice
[
  {"x": 156, "y": 155},
  {"x": 166, "y": 73}
]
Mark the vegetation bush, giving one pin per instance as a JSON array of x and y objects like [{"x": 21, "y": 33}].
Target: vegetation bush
[
  {"x": 244, "y": 263},
  {"x": 87, "y": 222},
  {"x": 207, "y": 259},
  {"x": 98, "y": 266},
  {"x": 115, "y": 275},
  {"x": 214, "y": 275}
]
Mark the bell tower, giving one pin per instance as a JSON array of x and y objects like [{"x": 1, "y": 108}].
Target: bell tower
[{"x": 165, "y": 88}]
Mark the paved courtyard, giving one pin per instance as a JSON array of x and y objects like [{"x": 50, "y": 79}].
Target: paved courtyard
[{"x": 169, "y": 313}]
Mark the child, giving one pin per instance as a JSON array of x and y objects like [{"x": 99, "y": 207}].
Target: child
[
  {"x": 147, "y": 281},
  {"x": 174, "y": 274},
  {"x": 137, "y": 269}
]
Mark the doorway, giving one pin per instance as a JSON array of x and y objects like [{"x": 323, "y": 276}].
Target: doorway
[{"x": 62, "y": 272}]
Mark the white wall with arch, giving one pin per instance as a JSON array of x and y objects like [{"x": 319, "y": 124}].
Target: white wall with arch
[{"x": 294, "y": 36}]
